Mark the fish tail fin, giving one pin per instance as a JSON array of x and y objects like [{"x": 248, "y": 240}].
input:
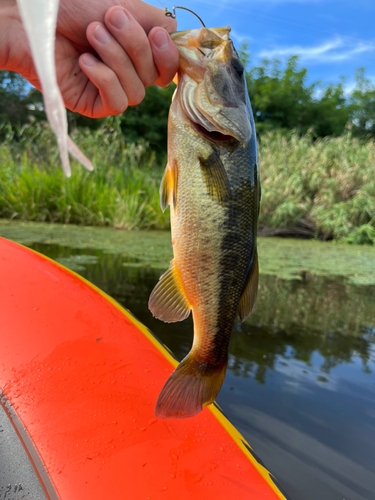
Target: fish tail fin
[{"x": 191, "y": 387}]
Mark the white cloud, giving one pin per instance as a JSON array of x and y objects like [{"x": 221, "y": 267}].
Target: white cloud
[
  {"x": 245, "y": 3},
  {"x": 350, "y": 85},
  {"x": 334, "y": 50},
  {"x": 285, "y": 1},
  {"x": 239, "y": 38}
]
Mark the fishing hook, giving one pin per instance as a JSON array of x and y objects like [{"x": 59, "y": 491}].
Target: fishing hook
[{"x": 173, "y": 14}]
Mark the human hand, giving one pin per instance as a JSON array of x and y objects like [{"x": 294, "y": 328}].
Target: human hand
[{"x": 101, "y": 67}]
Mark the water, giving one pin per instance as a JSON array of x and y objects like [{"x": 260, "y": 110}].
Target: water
[{"x": 300, "y": 384}]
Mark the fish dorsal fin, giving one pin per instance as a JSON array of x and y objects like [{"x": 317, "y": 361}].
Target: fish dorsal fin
[
  {"x": 169, "y": 185},
  {"x": 167, "y": 300},
  {"x": 215, "y": 176},
  {"x": 249, "y": 294}
]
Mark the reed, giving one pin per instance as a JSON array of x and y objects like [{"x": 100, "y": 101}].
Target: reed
[
  {"x": 326, "y": 186},
  {"x": 122, "y": 191}
]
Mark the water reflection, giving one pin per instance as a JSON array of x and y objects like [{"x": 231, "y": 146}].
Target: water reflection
[
  {"x": 291, "y": 320},
  {"x": 300, "y": 384}
]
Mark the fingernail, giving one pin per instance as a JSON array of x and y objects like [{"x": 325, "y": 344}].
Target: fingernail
[
  {"x": 88, "y": 60},
  {"x": 101, "y": 34},
  {"x": 160, "y": 39},
  {"x": 118, "y": 19}
]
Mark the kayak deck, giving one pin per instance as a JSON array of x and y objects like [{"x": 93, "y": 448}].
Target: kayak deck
[{"x": 82, "y": 376}]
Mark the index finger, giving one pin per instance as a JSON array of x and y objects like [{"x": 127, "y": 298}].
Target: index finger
[{"x": 165, "y": 53}]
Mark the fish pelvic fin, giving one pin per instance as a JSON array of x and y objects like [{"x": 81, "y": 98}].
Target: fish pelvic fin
[
  {"x": 167, "y": 300},
  {"x": 249, "y": 294},
  {"x": 169, "y": 185},
  {"x": 191, "y": 387}
]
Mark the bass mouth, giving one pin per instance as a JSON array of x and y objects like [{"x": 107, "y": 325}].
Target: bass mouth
[{"x": 212, "y": 136}]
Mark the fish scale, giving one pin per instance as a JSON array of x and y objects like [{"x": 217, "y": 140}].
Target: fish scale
[{"x": 211, "y": 183}]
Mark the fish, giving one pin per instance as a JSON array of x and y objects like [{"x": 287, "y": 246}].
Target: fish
[{"x": 211, "y": 183}]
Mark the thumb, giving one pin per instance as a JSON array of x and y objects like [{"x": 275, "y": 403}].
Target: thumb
[{"x": 149, "y": 16}]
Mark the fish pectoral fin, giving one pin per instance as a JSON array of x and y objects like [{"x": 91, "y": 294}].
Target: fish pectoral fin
[
  {"x": 215, "y": 176},
  {"x": 169, "y": 184},
  {"x": 249, "y": 294},
  {"x": 167, "y": 300},
  {"x": 164, "y": 190}
]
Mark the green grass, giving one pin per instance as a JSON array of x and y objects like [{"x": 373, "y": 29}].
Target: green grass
[
  {"x": 328, "y": 184},
  {"x": 122, "y": 192}
]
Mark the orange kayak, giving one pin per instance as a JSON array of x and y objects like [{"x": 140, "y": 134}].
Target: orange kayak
[{"x": 79, "y": 378}]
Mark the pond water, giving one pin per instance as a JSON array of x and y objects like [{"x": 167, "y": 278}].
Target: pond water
[{"x": 300, "y": 384}]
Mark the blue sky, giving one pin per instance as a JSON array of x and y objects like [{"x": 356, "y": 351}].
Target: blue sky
[{"x": 332, "y": 37}]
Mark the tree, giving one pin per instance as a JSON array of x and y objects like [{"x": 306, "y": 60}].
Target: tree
[
  {"x": 280, "y": 98},
  {"x": 149, "y": 119},
  {"x": 362, "y": 101},
  {"x": 329, "y": 113},
  {"x": 18, "y": 100}
]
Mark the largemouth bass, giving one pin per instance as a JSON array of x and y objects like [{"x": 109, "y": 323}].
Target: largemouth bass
[{"x": 211, "y": 183}]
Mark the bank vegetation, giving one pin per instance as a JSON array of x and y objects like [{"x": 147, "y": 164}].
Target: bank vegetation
[{"x": 311, "y": 187}]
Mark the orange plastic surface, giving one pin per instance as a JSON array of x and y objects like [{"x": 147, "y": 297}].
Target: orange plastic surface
[{"x": 83, "y": 376}]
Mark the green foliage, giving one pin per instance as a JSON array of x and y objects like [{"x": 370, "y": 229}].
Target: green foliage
[
  {"x": 118, "y": 193},
  {"x": 329, "y": 114},
  {"x": 17, "y": 103},
  {"x": 325, "y": 184},
  {"x": 328, "y": 183},
  {"x": 148, "y": 120},
  {"x": 363, "y": 105},
  {"x": 281, "y": 99}
]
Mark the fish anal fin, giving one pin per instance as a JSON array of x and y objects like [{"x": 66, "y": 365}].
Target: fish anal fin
[
  {"x": 167, "y": 301},
  {"x": 191, "y": 387},
  {"x": 249, "y": 294},
  {"x": 215, "y": 176},
  {"x": 169, "y": 185}
]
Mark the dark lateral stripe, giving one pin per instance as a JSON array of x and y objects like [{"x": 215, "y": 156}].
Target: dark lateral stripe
[
  {"x": 252, "y": 452},
  {"x": 237, "y": 246},
  {"x": 277, "y": 484}
]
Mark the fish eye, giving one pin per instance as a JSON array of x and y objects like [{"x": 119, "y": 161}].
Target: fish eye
[{"x": 237, "y": 67}]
